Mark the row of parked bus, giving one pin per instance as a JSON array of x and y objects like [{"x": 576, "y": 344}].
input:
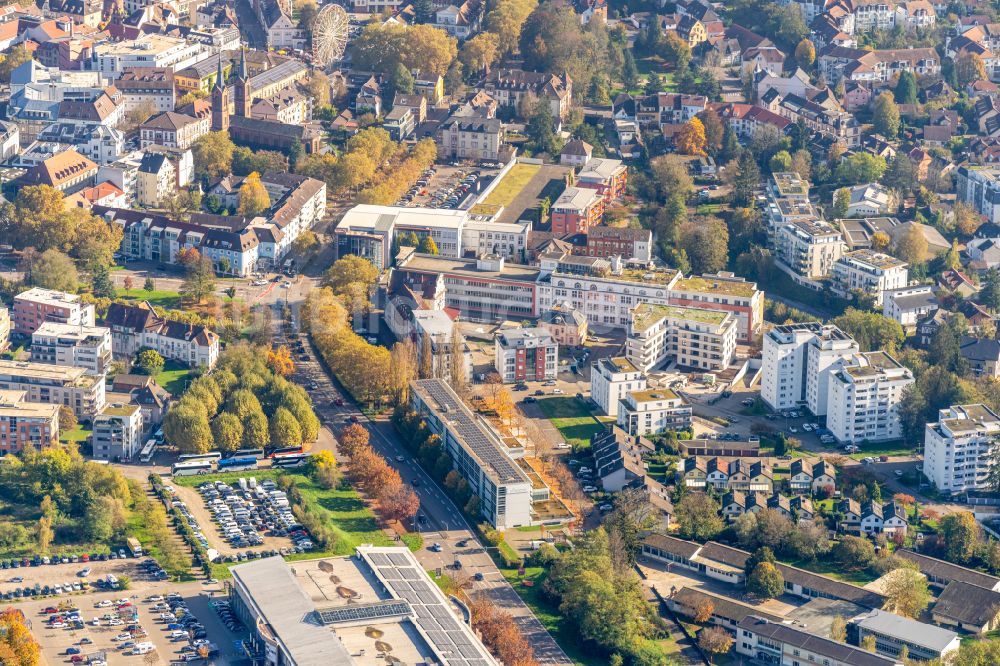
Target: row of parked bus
[{"x": 191, "y": 464}]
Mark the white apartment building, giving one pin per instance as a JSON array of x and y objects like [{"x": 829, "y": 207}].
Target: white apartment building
[
  {"x": 725, "y": 292},
  {"x": 693, "y": 337},
  {"x": 864, "y": 397},
  {"x": 809, "y": 248},
  {"x": 136, "y": 327},
  {"x": 87, "y": 347},
  {"x": 908, "y": 305},
  {"x": 870, "y": 272},
  {"x": 440, "y": 330},
  {"x": 825, "y": 353},
  {"x": 652, "y": 411},
  {"x": 980, "y": 187},
  {"x": 508, "y": 240},
  {"x": 118, "y": 434},
  {"x": 55, "y": 384},
  {"x": 611, "y": 379},
  {"x": 960, "y": 447},
  {"x": 479, "y": 454},
  {"x": 526, "y": 354},
  {"x": 788, "y": 353}
]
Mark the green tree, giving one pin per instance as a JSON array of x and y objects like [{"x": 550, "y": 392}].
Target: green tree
[
  {"x": 676, "y": 51},
  {"x": 989, "y": 295},
  {"x": 854, "y": 552},
  {"x": 199, "y": 280},
  {"x": 906, "y": 592},
  {"x": 706, "y": 242},
  {"x": 765, "y": 581},
  {"x": 101, "y": 284},
  {"x": 149, "y": 285},
  {"x": 54, "y": 270},
  {"x": 781, "y": 161},
  {"x": 872, "y": 331},
  {"x": 149, "y": 362},
  {"x": 256, "y": 434},
  {"x": 906, "y": 88},
  {"x": 427, "y": 245},
  {"x": 253, "y": 196},
  {"x": 284, "y": 429},
  {"x": 541, "y": 129},
  {"x": 912, "y": 246},
  {"x": 805, "y": 54},
  {"x": 886, "y": 116},
  {"x": 861, "y": 168},
  {"x": 841, "y": 202},
  {"x": 960, "y": 534},
  {"x": 698, "y": 517},
  {"x": 186, "y": 427},
  {"x": 12, "y": 60},
  {"x": 227, "y": 431},
  {"x": 213, "y": 155},
  {"x": 747, "y": 179}
]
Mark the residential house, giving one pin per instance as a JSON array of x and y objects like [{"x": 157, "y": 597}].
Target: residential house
[{"x": 136, "y": 327}]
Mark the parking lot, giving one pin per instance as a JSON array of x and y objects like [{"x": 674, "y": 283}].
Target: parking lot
[
  {"x": 171, "y": 620},
  {"x": 241, "y": 520},
  {"x": 447, "y": 187}
]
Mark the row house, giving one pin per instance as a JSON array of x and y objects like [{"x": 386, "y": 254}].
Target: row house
[
  {"x": 872, "y": 518},
  {"x": 834, "y": 123},
  {"x": 746, "y": 119},
  {"x": 805, "y": 477},
  {"x": 746, "y": 476},
  {"x": 735, "y": 503},
  {"x": 836, "y": 63}
]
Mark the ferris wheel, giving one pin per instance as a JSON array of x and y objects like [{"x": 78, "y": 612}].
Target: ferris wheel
[{"x": 329, "y": 34}]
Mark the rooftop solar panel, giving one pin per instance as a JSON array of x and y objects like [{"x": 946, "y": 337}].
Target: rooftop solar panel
[
  {"x": 379, "y": 559},
  {"x": 357, "y": 612},
  {"x": 399, "y": 559}
]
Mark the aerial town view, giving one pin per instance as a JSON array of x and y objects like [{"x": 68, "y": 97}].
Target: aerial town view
[{"x": 500, "y": 332}]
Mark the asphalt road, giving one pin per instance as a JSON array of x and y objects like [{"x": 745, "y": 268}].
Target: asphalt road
[{"x": 442, "y": 522}]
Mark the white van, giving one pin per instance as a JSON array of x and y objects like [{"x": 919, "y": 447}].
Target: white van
[{"x": 143, "y": 648}]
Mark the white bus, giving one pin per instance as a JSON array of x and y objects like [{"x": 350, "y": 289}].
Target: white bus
[
  {"x": 192, "y": 467},
  {"x": 211, "y": 456},
  {"x": 147, "y": 451}
]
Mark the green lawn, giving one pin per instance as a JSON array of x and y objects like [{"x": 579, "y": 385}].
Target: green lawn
[
  {"x": 573, "y": 420},
  {"x": 562, "y": 631},
  {"x": 835, "y": 570},
  {"x": 163, "y": 299},
  {"x": 78, "y": 434},
  {"x": 897, "y": 448},
  {"x": 512, "y": 184},
  {"x": 174, "y": 377}
]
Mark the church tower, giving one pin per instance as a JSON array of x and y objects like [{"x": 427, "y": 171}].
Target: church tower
[
  {"x": 220, "y": 102},
  {"x": 242, "y": 87}
]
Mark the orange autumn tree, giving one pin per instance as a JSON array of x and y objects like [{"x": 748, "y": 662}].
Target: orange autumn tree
[
  {"x": 280, "y": 361},
  {"x": 691, "y": 140}
]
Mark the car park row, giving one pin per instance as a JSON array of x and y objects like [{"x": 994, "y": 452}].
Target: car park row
[{"x": 250, "y": 508}]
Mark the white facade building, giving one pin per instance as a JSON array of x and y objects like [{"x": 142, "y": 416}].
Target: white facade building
[
  {"x": 611, "y": 379},
  {"x": 864, "y": 397},
  {"x": 652, "y": 411},
  {"x": 908, "y": 305},
  {"x": 960, "y": 447},
  {"x": 118, "y": 433},
  {"x": 870, "y": 272},
  {"x": 87, "y": 347},
  {"x": 55, "y": 384},
  {"x": 692, "y": 337},
  {"x": 797, "y": 361}
]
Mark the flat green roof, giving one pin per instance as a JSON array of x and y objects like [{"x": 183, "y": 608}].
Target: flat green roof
[
  {"x": 645, "y": 315},
  {"x": 721, "y": 285}
]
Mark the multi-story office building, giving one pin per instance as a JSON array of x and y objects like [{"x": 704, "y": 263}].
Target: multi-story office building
[
  {"x": 652, "y": 411},
  {"x": 526, "y": 354},
  {"x": 864, "y": 397},
  {"x": 55, "y": 384},
  {"x": 693, "y": 337},
  {"x": 36, "y": 306},
  {"x": 611, "y": 379},
  {"x": 118, "y": 432},
  {"x": 960, "y": 447},
  {"x": 810, "y": 248},
  {"x": 869, "y": 272},
  {"x": 778, "y": 643},
  {"x": 87, "y": 347},
  {"x": 24, "y": 423},
  {"x": 797, "y": 359},
  {"x": 152, "y": 50},
  {"x": 478, "y": 453}
]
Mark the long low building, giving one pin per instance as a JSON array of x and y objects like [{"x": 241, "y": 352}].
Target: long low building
[
  {"x": 778, "y": 643},
  {"x": 479, "y": 454},
  {"x": 350, "y": 611}
]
